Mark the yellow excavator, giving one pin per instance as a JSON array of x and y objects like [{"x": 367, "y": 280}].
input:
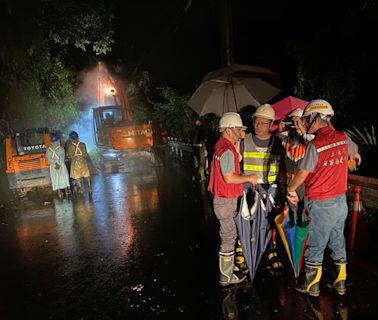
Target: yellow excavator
[{"x": 122, "y": 144}]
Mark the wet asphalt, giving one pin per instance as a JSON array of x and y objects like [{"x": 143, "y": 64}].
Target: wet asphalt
[{"x": 145, "y": 246}]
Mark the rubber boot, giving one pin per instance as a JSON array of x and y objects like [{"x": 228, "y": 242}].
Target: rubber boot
[
  {"x": 60, "y": 194},
  {"x": 79, "y": 186},
  {"x": 339, "y": 283},
  {"x": 226, "y": 267},
  {"x": 89, "y": 185},
  {"x": 310, "y": 285},
  {"x": 67, "y": 192}
]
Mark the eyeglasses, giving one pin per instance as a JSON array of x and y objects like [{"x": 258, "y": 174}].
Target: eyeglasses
[{"x": 261, "y": 123}]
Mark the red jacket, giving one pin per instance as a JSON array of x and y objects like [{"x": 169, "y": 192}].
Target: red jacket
[
  {"x": 217, "y": 186},
  {"x": 329, "y": 179}
]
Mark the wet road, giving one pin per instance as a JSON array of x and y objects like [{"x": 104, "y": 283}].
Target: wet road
[{"x": 145, "y": 247}]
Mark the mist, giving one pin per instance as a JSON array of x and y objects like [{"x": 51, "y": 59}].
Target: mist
[{"x": 90, "y": 95}]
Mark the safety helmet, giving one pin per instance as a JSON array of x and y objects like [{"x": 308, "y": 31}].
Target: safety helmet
[
  {"x": 231, "y": 120},
  {"x": 54, "y": 137},
  {"x": 265, "y": 111},
  {"x": 296, "y": 113},
  {"x": 73, "y": 135},
  {"x": 318, "y": 106}
]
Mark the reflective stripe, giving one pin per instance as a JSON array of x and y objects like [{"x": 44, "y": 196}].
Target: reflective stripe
[
  {"x": 54, "y": 154},
  {"x": 268, "y": 179},
  {"x": 296, "y": 152},
  {"x": 77, "y": 149},
  {"x": 261, "y": 168},
  {"x": 261, "y": 155},
  {"x": 332, "y": 145}
]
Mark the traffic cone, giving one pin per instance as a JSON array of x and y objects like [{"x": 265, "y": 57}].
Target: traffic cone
[{"x": 358, "y": 233}]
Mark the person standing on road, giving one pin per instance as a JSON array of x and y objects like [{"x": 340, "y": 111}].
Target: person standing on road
[
  {"x": 226, "y": 184},
  {"x": 263, "y": 155},
  {"x": 294, "y": 141},
  {"x": 78, "y": 156},
  {"x": 324, "y": 171},
  {"x": 58, "y": 171}
]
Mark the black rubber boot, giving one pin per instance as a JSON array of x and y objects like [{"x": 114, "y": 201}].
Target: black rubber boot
[
  {"x": 67, "y": 192},
  {"x": 310, "y": 285},
  {"x": 339, "y": 283},
  {"x": 79, "y": 186},
  {"x": 89, "y": 185},
  {"x": 60, "y": 194}
]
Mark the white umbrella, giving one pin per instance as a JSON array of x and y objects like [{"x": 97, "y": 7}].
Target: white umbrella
[{"x": 234, "y": 87}]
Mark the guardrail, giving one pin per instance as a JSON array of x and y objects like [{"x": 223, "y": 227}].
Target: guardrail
[
  {"x": 184, "y": 150},
  {"x": 369, "y": 190},
  {"x": 369, "y": 186}
]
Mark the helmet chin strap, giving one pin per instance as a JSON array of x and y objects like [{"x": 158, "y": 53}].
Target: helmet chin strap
[
  {"x": 236, "y": 136},
  {"x": 312, "y": 122}
]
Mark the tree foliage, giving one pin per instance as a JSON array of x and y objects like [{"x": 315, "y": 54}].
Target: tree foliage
[
  {"x": 174, "y": 112},
  {"x": 85, "y": 25},
  {"x": 138, "y": 91},
  {"x": 36, "y": 84},
  {"x": 336, "y": 61}
]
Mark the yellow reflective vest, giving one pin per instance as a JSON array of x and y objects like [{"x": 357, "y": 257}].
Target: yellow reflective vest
[{"x": 262, "y": 161}]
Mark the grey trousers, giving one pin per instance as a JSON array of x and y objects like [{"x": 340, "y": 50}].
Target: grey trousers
[{"x": 225, "y": 210}]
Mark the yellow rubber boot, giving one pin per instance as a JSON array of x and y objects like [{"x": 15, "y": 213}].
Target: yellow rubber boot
[
  {"x": 311, "y": 285},
  {"x": 339, "y": 283}
]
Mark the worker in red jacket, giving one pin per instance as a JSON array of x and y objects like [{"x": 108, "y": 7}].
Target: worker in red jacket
[
  {"x": 226, "y": 184},
  {"x": 324, "y": 171}
]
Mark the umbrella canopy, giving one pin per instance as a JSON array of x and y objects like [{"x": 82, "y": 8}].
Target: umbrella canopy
[
  {"x": 283, "y": 107},
  {"x": 234, "y": 87},
  {"x": 254, "y": 233},
  {"x": 293, "y": 228}
]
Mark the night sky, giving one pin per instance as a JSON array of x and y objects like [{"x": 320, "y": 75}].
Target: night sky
[{"x": 178, "y": 42}]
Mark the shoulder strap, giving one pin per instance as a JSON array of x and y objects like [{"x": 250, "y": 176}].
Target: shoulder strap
[
  {"x": 78, "y": 152},
  {"x": 54, "y": 155}
]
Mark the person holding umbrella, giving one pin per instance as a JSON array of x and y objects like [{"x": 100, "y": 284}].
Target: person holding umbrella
[
  {"x": 324, "y": 171},
  {"x": 226, "y": 184}
]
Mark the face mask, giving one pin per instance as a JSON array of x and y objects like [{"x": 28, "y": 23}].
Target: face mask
[{"x": 308, "y": 136}]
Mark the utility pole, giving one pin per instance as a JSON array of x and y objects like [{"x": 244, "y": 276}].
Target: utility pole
[{"x": 227, "y": 53}]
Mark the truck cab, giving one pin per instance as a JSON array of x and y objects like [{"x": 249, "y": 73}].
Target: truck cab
[{"x": 123, "y": 144}]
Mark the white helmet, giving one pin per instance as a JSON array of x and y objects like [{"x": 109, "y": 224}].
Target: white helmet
[
  {"x": 231, "y": 120},
  {"x": 265, "y": 111},
  {"x": 296, "y": 113},
  {"x": 318, "y": 106}
]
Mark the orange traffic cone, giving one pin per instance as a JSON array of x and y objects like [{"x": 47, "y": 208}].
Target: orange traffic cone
[
  {"x": 357, "y": 208},
  {"x": 358, "y": 232}
]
